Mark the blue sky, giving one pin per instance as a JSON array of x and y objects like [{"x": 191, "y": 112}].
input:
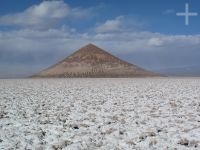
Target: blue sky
[
  {"x": 151, "y": 12},
  {"x": 35, "y": 34}
]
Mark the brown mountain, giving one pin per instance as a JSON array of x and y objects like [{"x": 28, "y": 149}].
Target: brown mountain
[{"x": 92, "y": 61}]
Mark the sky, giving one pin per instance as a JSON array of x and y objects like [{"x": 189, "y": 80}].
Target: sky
[{"x": 35, "y": 34}]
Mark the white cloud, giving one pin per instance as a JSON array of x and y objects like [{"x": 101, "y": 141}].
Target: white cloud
[
  {"x": 45, "y": 15},
  {"x": 120, "y": 24},
  {"x": 110, "y": 25},
  {"x": 57, "y": 40},
  {"x": 155, "y": 42}
]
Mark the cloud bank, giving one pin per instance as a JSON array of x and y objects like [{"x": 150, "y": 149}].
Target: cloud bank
[{"x": 46, "y": 15}]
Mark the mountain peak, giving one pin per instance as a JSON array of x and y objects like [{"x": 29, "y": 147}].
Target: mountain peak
[
  {"x": 90, "y": 48},
  {"x": 90, "y": 45},
  {"x": 92, "y": 61}
]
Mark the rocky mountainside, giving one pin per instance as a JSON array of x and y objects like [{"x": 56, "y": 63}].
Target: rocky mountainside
[{"x": 92, "y": 61}]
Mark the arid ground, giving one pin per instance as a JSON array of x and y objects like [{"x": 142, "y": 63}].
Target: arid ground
[{"x": 105, "y": 114}]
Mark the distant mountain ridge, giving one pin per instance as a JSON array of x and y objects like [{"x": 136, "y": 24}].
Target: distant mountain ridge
[
  {"x": 92, "y": 61},
  {"x": 185, "y": 71}
]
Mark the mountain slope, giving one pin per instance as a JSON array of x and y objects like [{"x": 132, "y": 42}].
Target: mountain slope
[{"x": 92, "y": 61}]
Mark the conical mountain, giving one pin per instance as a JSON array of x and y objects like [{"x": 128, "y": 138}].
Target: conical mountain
[{"x": 92, "y": 61}]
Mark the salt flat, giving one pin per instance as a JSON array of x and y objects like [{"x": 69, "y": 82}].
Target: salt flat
[{"x": 105, "y": 114}]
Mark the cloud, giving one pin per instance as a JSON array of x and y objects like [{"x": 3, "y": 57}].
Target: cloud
[
  {"x": 44, "y": 15},
  {"x": 169, "y": 12},
  {"x": 155, "y": 42},
  {"x": 120, "y": 24},
  {"x": 110, "y": 25}
]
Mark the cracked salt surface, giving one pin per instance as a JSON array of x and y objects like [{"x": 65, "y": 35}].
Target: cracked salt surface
[{"x": 105, "y": 114}]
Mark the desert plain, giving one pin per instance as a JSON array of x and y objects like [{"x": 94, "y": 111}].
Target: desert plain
[{"x": 104, "y": 114}]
